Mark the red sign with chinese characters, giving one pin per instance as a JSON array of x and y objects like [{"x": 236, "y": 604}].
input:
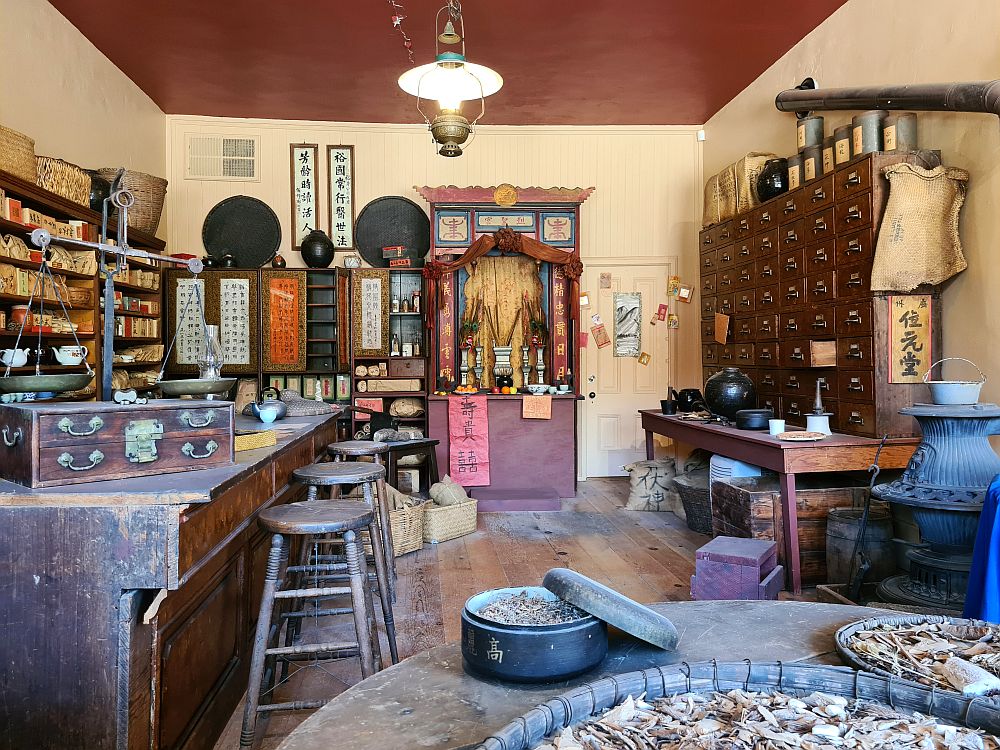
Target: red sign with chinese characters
[
  {"x": 284, "y": 333},
  {"x": 469, "y": 438}
]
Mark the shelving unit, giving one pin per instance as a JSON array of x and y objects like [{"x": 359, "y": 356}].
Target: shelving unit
[
  {"x": 409, "y": 327},
  {"x": 87, "y": 316}
]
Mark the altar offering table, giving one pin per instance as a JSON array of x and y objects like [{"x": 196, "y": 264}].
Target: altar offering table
[
  {"x": 427, "y": 701},
  {"x": 833, "y": 453}
]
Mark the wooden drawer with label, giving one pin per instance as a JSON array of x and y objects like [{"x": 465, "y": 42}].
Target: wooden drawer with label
[
  {"x": 767, "y": 353},
  {"x": 745, "y": 276},
  {"x": 766, "y": 271},
  {"x": 767, "y": 326},
  {"x": 744, "y": 249},
  {"x": 854, "y": 318},
  {"x": 767, "y": 298},
  {"x": 709, "y": 305},
  {"x": 726, "y": 280},
  {"x": 727, "y": 355},
  {"x": 857, "y": 417},
  {"x": 790, "y": 206},
  {"x": 793, "y": 293},
  {"x": 768, "y": 401},
  {"x": 766, "y": 244},
  {"x": 706, "y": 238},
  {"x": 708, "y": 330},
  {"x": 852, "y": 179},
  {"x": 854, "y": 281},
  {"x": 854, "y": 213},
  {"x": 710, "y": 354},
  {"x": 819, "y": 226},
  {"x": 820, "y": 257},
  {"x": 745, "y": 355},
  {"x": 743, "y": 329},
  {"x": 727, "y": 304},
  {"x": 768, "y": 381},
  {"x": 793, "y": 324},
  {"x": 820, "y": 287},
  {"x": 53, "y": 444},
  {"x": 724, "y": 232},
  {"x": 708, "y": 282},
  {"x": 792, "y": 235},
  {"x": 709, "y": 261},
  {"x": 808, "y": 353},
  {"x": 857, "y": 247},
  {"x": 726, "y": 257},
  {"x": 820, "y": 321},
  {"x": 791, "y": 264},
  {"x": 742, "y": 227},
  {"x": 745, "y": 301},
  {"x": 856, "y": 385},
  {"x": 819, "y": 194},
  {"x": 764, "y": 217},
  {"x": 854, "y": 352},
  {"x": 795, "y": 409}
]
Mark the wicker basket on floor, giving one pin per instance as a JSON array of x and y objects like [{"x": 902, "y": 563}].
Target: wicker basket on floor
[
  {"x": 444, "y": 522},
  {"x": 148, "y": 191},
  {"x": 407, "y": 526},
  {"x": 693, "y": 489},
  {"x": 17, "y": 154},
  {"x": 62, "y": 178}
]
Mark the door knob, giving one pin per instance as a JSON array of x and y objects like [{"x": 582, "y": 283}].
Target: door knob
[{"x": 592, "y": 395}]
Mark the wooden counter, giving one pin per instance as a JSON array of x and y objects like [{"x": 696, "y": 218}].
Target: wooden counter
[{"x": 128, "y": 607}]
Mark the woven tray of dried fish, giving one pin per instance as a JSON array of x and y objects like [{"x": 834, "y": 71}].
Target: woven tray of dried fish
[
  {"x": 745, "y": 706},
  {"x": 943, "y": 652}
]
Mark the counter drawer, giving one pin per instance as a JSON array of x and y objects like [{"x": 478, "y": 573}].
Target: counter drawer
[
  {"x": 791, "y": 264},
  {"x": 854, "y": 281},
  {"x": 407, "y": 368},
  {"x": 854, "y": 318},
  {"x": 726, "y": 257},
  {"x": 767, "y": 298},
  {"x": 792, "y": 235},
  {"x": 745, "y": 276},
  {"x": 709, "y": 261},
  {"x": 767, "y": 353},
  {"x": 745, "y": 355},
  {"x": 790, "y": 206},
  {"x": 708, "y": 283},
  {"x": 743, "y": 329},
  {"x": 744, "y": 249},
  {"x": 742, "y": 226},
  {"x": 819, "y": 226},
  {"x": 820, "y": 287},
  {"x": 855, "y": 247},
  {"x": 857, "y": 385},
  {"x": 854, "y": 352},
  {"x": 764, "y": 217},
  {"x": 820, "y": 257},
  {"x": 709, "y": 305},
  {"x": 710, "y": 354},
  {"x": 854, "y": 213},
  {"x": 852, "y": 179},
  {"x": 766, "y": 270},
  {"x": 745, "y": 301},
  {"x": 856, "y": 417},
  {"x": 766, "y": 243},
  {"x": 767, "y": 326},
  {"x": 819, "y": 194}
]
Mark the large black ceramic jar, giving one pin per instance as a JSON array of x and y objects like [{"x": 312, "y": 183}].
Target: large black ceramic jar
[
  {"x": 773, "y": 179},
  {"x": 729, "y": 391},
  {"x": 529, "y": 653},
  {"x": 317, "y": 249}
]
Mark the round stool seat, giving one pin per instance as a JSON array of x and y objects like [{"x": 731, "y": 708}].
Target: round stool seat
[
  {"x": 354, "y": 448},
  {"x": 316, "y": 517},
  {"x": 336, "y": 474}
]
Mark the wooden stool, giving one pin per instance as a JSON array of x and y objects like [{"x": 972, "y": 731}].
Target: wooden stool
[
  {"x": 348, "y": 450},
  {"x": 308, "y": 520},
  {"x": 417, "y": 447},
  {"x": 371, "y": 477}
]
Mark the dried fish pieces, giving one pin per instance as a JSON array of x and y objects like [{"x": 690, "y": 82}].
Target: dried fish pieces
[
  {"x": 740, "y": 720},
  {"x": 918, "y": 652}
]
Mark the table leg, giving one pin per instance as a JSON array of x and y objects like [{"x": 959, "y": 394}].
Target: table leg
[
  {"x": 790, "y": 525},
  {"x": 649, "y": 445}
]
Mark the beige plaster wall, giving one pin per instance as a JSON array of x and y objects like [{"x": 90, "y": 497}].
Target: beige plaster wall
[
  {"x": 870, "y": 42},
  {"x": 60, "y": 90}
]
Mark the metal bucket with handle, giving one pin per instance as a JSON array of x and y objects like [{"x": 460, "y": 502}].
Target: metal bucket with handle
[{"x": 954, "y": 392}]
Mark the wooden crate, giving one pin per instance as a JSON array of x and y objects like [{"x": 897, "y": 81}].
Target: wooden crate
[{"x": 751, "y": 507}]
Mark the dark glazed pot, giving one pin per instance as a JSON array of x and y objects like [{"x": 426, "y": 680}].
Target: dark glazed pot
[
  {"x": 773, "y": 179},
  {"x": 728, "y": 392},
  {"x": 278, "y": 262},
  {"x": 317, "y": 249},
  {"x": 99, "y": 190}
]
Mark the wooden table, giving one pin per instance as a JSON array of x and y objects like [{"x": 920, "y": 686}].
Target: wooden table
[
  {"x": 834, "y": 453},
  {"x": 427, "y": 701}
]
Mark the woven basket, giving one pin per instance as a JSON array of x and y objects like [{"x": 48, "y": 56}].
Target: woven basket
[
  {"x": 62, "y": 178},
  {"x": 697, "y": 501},
  {"x": 583, "y": 701},
  {"x": 407, "y": 527},
  {"x": 17, "y": 154},
  {"x": 444, "y": 522},
  {"x": 248, "y": 441},
  {"x": 148, "y": 191},
  {"x": 79, "y": 297}
]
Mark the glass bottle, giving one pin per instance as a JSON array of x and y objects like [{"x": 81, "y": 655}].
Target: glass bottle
[
  {"x": 211, "y": 357},
  {"x": 395, "y": 303},
  {"x": 394, "y": 346},
  {"x": 416, "y": 301}
]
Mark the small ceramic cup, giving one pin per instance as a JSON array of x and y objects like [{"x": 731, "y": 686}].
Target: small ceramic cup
[
  {"x": 775, "y": 426},
  {"x": 552, "y": 390}
]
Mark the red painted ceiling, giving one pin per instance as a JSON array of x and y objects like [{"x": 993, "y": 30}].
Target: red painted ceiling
[{"x": 579, "y": 62}]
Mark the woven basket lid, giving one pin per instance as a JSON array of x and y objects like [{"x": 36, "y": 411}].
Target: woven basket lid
[
  {"x": 389, "y": 222},
  {"x": 244, "y": 227}
]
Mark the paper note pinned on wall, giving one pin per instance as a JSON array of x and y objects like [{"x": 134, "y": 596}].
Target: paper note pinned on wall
[
  {"x": 673, "y": 321},
  {"x": 596, "y": 319},
  {"x": 536, "y": 407},
  {"x": 674, "y": 285},
  {"x": 654, "y": 320},
  {"x": 584, "y": 300},
  {"x": 661, "y": 311},
  {"x": 584, "y": 337},
  {"x": 721, "y": 328},
  {"x": 606, "y": 280},
  {"x": 601, "y": 337}
]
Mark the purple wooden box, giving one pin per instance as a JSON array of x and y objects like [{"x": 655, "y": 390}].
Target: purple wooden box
[{"x": 734, "y": 568}]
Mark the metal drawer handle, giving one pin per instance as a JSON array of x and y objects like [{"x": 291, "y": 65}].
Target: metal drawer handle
[
  {"x": 724, "y": 236},
  {"x": 745, "y": 330},
  {"x": 726, "y": 258},
  {"x": 765, "y": 218},
  {"x": 853, "y": 179},
  {"x": 188, "y": 419},
  {"x": 854, "y": 246},
  {"x": 744, "y": 354},
  {"x": 853, "y": 318},
  {"x": 793, "y": 411},
  {"x": 744, "y": 276},
  {"x": 726, "y": 306},
  {"x": 789, "y": 207},
  {"x": 766, "y": 354},
  {"x": 791, "y": 326},
  {"x": 820, "y": 226},
  {"x": 820, "y": 287},
  {"x": 855, "y": 352},
  {"x": 855, "y": 280},
  {"x": 853, "y": 214},
  {"x": 766, "y": 243},
  {"x": 820, "y": 256},
  {"x": 818, "y": 195},
  {"x": 66, "y": 461},
  {"x": 10, "y": 442},
  {"x": 767, "y": 380},
  {"x": 855, "y": 385},
  {"x": 707, "y": 240},
  {"x": 745, "y": 301},
  {"x": 791, "y": 265},
  {"x": 708, "y": 262},
  {"x": 707, "y": 286},
  {"x": 793, "y": 382},
  {"x": 766, "y": 328},
  {"x": 66, "y": 425},
  {"x": 744, "y": 250},
  {"x": 726, "y": 281},
  {"x": 791, "y": 236},
  {"x": 856, "y": 418},
  {"x": 819, "y": 323},
  {"x": 210, "y": 447},
  {"x": 744, "y": 224},
  {"x": 797, "y": 355},
  {"x": 823, "y": 385},
  {"x": 766, "y": 297},
  {"x": 766, "y": 272},
  {"x": 792, "y": 293}
]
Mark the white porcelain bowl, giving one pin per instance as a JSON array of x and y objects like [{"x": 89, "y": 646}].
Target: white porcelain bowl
[{"x": 537, "y": 389}]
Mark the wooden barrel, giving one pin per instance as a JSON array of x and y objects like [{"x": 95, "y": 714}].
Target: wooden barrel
[{"x": 842, "y": 529}]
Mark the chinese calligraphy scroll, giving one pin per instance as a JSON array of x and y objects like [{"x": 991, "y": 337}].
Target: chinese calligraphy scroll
[
  {"x": 305, "y": 190},
  {"x": 370, "y": 312},
  {"x": 469, "y": 436},
  {"x": 234, "y": 320},
  {"x": 284, "y": 320},
  {"x": 190, "y": 295},
  {"x": 909, "y": 337},
  {"x": 341, "y": 192}
]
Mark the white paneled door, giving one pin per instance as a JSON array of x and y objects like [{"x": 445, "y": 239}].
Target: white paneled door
[{"x": 615, "y": 388}]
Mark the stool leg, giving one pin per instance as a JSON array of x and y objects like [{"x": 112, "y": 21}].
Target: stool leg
[
  {"x": 359, "y": 585},
  {"x": 385, "y": 527},
  {"x": 384, "y": 584},
  {"x": 271, "y": 583},
  {"x": 432, "y": 460}
]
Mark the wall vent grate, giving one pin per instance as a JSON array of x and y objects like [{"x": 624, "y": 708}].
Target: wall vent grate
[{"x": 221, "y": 157}]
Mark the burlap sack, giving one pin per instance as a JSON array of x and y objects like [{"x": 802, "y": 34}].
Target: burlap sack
[
  {"x": 918, "y": 241},
  {"x": 651, "y": 486},
  {"x": 732, "y": 190},
  {"x": 448, "y": 492}
]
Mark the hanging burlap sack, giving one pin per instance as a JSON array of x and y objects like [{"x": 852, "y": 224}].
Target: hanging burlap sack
[{"x": 918, "y": 241}]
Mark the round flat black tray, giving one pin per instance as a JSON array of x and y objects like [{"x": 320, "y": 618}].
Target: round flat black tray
[
  {"x": 245, "y": 227},
  {"x": 389, "y": 222}
]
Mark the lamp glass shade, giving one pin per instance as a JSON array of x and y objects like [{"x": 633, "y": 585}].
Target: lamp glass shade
[{"x": 450, "y": 81}]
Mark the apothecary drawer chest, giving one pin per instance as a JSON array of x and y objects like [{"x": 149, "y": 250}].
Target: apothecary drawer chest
[{"x": 794, "y": 276}]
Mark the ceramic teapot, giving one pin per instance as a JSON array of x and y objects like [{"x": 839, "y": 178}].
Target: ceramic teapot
[
  {"x": 269, "y": 406},
  {"x": 689, "y": 399},
  {"x": 15, "y": 357},
  {"x": 70, "y": 355}
]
